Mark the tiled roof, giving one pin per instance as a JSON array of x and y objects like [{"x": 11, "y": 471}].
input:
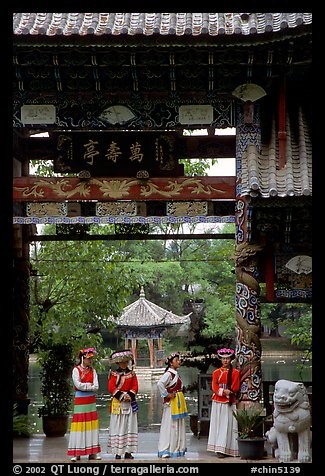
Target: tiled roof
[
  {"x": 143, "y": 313},
  {"x": 193, "y": 24},
  {"x": 261, "y": 175}
]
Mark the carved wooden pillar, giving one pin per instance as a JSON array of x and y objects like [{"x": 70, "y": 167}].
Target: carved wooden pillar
[
  {"x": 248, "y": 329},
  {"x": 248, "y": 325},
  {"x": 21, "y": 274}
]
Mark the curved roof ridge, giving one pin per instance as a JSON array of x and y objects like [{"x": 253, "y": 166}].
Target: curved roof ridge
[{"x": 180, "y": 24}]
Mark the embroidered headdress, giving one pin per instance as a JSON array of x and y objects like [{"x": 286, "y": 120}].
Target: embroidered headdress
[
  {"x": 224, "y": 352},
  {"x": 87, "y": 353},
  {"x": 170, "y": 357},
  {"x": 121, "y": 356}
]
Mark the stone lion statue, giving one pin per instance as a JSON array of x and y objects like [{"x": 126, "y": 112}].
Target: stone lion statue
[{"x": 291, "y": 418}]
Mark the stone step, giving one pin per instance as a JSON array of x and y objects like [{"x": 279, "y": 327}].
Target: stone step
[{"x": 149, "y": 373}]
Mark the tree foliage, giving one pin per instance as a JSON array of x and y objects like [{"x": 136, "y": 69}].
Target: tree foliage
[
  {"x": 197, "y": 167},
  {"x": 300, "y": 331},
  {"x": 295, "y": 321},
  {"x": 76, "y": 290}
]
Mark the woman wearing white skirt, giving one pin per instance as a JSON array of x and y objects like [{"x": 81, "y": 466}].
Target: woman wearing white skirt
[
  {"x": 223, "y": 425},
  {"x": 172, "y": 437},
  {"x": 123, "y": 386}
]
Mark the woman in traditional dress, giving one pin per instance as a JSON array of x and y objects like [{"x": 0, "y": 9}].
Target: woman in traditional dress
[
  {"x": 123, "y": 386},
  {"x": 84, "y": 435},
  {"x": 223, "y": 425},
  {"x": 172, "y": 437}
]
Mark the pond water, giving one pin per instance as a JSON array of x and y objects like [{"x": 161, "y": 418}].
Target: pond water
[{"x": 150, "y": 402}]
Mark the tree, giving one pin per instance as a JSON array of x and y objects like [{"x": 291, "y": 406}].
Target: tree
[
  {"x": 76, "y": 289},
  {"x": 296, "y": 318},
  {"x": 299, "y": 329}
]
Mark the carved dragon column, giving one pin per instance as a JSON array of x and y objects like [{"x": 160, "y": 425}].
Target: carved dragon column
[{"x": 248, "y": 327}]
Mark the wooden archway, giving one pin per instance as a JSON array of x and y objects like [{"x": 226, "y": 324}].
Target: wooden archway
[{"x": 167, "y": 82}]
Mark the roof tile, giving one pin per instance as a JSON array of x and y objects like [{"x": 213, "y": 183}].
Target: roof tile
[
  {"x": 261, "y": 175},
  {"x": 143, "y": 313},
  {"x": 194, "y": 24}
]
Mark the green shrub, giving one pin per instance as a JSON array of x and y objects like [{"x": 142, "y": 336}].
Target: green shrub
[
  {"x": 21, "y": 425},
  {"x": 249, "y": 420}
]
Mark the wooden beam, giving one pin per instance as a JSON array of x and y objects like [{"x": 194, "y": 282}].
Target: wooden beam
[
  {"x": 134, "y": 237},
  {"x": 62, "y": 189}
]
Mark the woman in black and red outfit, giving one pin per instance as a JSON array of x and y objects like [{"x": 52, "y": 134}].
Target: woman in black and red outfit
[
  {"x": 223, "y": 425},
  {"x": 123, "y": 386}
]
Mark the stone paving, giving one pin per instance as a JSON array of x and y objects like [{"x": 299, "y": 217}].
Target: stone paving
[{"x": 42, "y": 449}]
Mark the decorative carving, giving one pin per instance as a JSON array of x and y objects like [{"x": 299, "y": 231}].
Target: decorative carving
[
  {"x": 121, "y": 219},
  {"x": 71, "y": 113},
  {"x": 291, "y": 416},
  {"x": 248, "y": 321},
  {"x": 116, "y": 208},
  {"x": 245, "y": 251},
  {"x": 187, "y": 208},
  {"x": 176, "y": 187},
  {"x": 67, "y": 188},
  {"x": 142, "y": 174},
  {"x": 244, "y": 254},
  {"x": 46, "y": 209},
  {"x": 84, "y": 174},
  {"x": 249, "y": 332}
]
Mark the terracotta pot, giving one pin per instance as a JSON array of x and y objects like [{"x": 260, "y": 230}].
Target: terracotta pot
[
  {"x": 55, "y": 425},
  {"x": 251, "y": 448}
]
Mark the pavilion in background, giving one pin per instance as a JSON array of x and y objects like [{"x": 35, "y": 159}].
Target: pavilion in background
[{"x": 145, "y": 320}]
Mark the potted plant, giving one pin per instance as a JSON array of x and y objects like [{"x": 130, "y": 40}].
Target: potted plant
[
  {"x": 56, "y": 387},
  {"x": 21, "y": 426},
  {"x": 250, "y": 438}
]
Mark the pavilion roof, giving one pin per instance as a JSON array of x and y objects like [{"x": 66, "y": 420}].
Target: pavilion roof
[{"x": 143, "y": 313}]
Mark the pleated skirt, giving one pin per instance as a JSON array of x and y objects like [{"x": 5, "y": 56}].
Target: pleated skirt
[
  {"x": 123, "y": 434},
  {"x": 84, "y": 429},
  {"x": 172, "y": 436},
  {"x": 223, "y": 431}
]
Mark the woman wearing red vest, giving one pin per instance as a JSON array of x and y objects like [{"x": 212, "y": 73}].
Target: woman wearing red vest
[
  {"x": 84, "y": 435},
  {"x": 172, "y": 437},
  {"x": 123, "y": 386},
  {"x": 223, "y": 425}
]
